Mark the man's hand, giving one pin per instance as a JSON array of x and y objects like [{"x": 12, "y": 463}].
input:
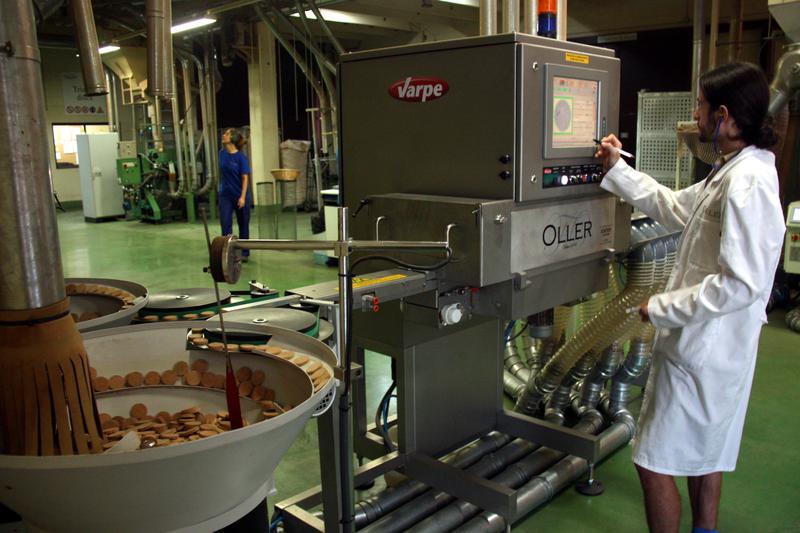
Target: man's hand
[
  {"x": 240, "y": 203},
  {"x": 608, "y": 151},
  {"x": 644, "y": 313}
]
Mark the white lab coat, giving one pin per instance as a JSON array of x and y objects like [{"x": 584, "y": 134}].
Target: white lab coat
[{"x": 710, "y": 317}]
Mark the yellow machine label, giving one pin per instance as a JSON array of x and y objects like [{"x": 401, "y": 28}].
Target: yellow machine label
[
  {"x": 576, "y": 58},
  {"x": 366, "y": 282}
]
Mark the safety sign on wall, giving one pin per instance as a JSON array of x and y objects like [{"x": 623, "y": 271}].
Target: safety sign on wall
[{"x": 77, "y": 103}]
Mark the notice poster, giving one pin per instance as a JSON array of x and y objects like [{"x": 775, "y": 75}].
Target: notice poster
[{"x": 77, "y": 103}]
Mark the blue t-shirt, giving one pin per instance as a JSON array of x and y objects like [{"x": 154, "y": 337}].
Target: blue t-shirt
[{"x": 231, "y": 167}]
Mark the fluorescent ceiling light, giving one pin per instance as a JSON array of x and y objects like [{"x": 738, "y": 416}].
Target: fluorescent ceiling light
[
  {"x": 192, "y": 24},
  {"x": 108, "y": 48},
  {"x": 332, "y": 15},
  {"x": 470, "y": 3}
]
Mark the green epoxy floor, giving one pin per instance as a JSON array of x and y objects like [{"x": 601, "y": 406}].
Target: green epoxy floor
[{"x": 762, "y": 496}]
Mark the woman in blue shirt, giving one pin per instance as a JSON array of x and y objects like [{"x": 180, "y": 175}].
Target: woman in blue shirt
[{"x": 234, "y": 186}]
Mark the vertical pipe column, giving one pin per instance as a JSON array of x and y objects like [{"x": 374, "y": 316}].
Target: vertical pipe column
[
  {"x": 343, "y": 335},
  {"x": 510, "y": 15},
  {"x": 697, "y": 46},
  {"x": 156, "y": 13},
  {"x": 714, "y": 37},
  {"x": 561, "y": 32},
  {"x": 735, "y": 32},
  {"x": 488, "y": 17},
  {"x": 530, "y": 9},
  {"x": 30, "y": 270},
  {"x": 94, "y": 81},
  {"x": 189, "y": 112}
]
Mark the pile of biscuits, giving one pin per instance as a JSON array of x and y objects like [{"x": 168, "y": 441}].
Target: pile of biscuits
[
  {"x": 164, "y": 428},
  {"x": 202, "y": 315},
  {"x": 76, "y": 289}
]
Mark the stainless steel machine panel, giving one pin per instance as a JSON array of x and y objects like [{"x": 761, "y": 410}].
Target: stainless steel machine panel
[
  {"x": 480, "y": 240},
  {"x": 560, "y": 231},
  {"x": 465, "y": 117}
]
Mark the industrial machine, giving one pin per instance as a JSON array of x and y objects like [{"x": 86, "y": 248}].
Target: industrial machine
[
  {"x": 145, "y": 180},
  {"x": 100, "y": 192},
  {"x": 494, "y": 212}
]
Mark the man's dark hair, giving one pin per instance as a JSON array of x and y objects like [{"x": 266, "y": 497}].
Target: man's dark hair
[{"x": 743, "y": 89}]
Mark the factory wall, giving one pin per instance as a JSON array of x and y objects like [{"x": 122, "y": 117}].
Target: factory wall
[{"x": 60, "y": 67}]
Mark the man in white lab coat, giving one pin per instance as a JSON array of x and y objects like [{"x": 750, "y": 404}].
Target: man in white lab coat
[{"x": 710, "y": 317}]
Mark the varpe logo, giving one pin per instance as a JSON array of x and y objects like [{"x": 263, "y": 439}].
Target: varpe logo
[{"x": 418, "y": 89}]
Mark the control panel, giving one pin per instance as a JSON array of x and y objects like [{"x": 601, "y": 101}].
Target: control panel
[{"x": 570, "y": 175}]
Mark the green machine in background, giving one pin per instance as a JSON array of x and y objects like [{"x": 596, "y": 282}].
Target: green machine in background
[{"x": 145, "y": 180}]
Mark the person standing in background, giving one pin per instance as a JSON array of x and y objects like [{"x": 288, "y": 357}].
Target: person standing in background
[{"x": 234, "y": 186}]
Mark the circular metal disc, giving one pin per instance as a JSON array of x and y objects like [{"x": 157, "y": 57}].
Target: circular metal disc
[
  {"x": 292, "y": 319},
  {"x": 325, "y": 330},
  {"x": 186, "y": 299}
]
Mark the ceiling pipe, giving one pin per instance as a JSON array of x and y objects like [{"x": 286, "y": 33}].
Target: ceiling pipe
[
  {"x": 94, "y": 81},
  {"x": 714, "y": 35},
  {"x": 157, "y": 12},
  {"x": 324, "y": 24},
  {"x": 510, "y": 16},
  {"x": 698, "y": 44},
  {"x": 322, "y": 61},
  {"x": 488, "y": 17},
  {"x": 529, "y": 15},
  {"x": 561, "y": 21},
  {"x": 31, "y": 276}
]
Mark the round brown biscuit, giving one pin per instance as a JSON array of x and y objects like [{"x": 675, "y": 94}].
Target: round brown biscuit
[
  {"x": 208, "y": 380},
  {"x": 116, "y": 382},
  {"x": 273, "y": 350},
  {"x": 233, "y": 347},
  {"x": 180, "y": 368},
  {"x": 169, "y": 377},
  {"x": 247, "y": 347},
  {"x": 244, "y": 373},
  {"x": 152, "y": 378},
  {"x": 134, "y": 379},
  {"x": 192, "y": 377},
  {"x": 220, "y": 383},
  {"x": 246, "y": 388},
  {"x": 207, "y": 314},
  {"x": 138, "y": 410},
  {"x": 150, "y": 318},
  {"x": 300, "y": 360},
  {"x": 286, "y": 354},
  {"x": 201, "y": 365},
  {"x": 163, "y": 417},
  {"x": 258, "y": 377},
  {"x": 190, "y": 316},
  {"x": 105, "y": 417},
  {"x": 169, "y": 318},
  {"x": 100, "y": 384},
  {"x": 198, "y": 330},
  {"x": 258, "y": 393},
  {"x": 201, "y": 341},
  {"x": 216, "y": 346}
]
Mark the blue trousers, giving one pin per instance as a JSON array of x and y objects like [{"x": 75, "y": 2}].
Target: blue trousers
[{"x": 227, "y": 208}]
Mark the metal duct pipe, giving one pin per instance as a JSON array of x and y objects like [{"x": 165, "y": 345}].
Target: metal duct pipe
[
  {"x": 512, "y": 385},
  {"x": 420, "y": 507},
  {"x": 714, "y": 37},
  {"x": 560, "y": 398},
  {"x": 605, "y": 369},
  {"x": 169, "y": 59},
  {"x": 94, "y": 81},
  {"x": 699, "y": 33},
  {"x": 561, "y": 22},
  {"x": 513, "y": 476},
  {"x": 30, "y": 271},
  {"x": 735, "y": 31},
  {"x": 189, "y": 116},
  {"x": 488, "y": 17},
  {"x": 545, "y": 486},
  {"x": 609, "y": 325},
  {"x": 110, "y": 105},
  {"x": 786, "y": 81},
  {"x": 374, "y": 507},
  {"x": 513, "y": 362},
  {"x": 157, "y": 13},
  {"x": 510, "y": 16},
  {"x": 177, "y": 133},
  {"x": 530, "y": 10}
]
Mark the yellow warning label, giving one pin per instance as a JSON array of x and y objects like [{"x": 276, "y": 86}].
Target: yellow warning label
[
  {"x": 576, "y": 58},
  {"x": 366, "y": 282}
]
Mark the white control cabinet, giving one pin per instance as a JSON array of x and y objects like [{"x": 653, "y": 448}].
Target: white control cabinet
[{"x": 100, "y": 189}]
